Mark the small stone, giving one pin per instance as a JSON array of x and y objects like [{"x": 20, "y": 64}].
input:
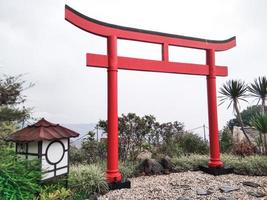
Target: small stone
[
  {"x": 227, "y": 189},
  {"x": 251, "y": 184},
  {"x": 185, "y": 187},
  {"x": 203, "y": 192},
  {"x": 257, "y": 194},
  {"x": 225, "y": 198},
  {"x": 183, "y": 198}
]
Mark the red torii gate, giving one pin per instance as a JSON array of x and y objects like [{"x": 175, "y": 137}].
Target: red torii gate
[{"x": 113, "y": 62}]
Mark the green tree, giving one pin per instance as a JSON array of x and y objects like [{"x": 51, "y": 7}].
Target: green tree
[
  {"x": 234, "y": 91},
  {"x": 170, "y": 131},
  {"x": 260, "y": 123},
  {"x": 246, "y": 116},
  {"x": 92, "y": 150},
  {"x": 258, "y": 89},
  {"x": 12, "y": 113}
]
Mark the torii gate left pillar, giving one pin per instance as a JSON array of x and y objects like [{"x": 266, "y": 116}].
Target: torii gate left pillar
[
  {"x": 113, "y": 173},
  {"x": 113, "y": 62}
]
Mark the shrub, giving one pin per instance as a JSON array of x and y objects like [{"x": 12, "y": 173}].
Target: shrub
[
  {"x": 243, "y": 148},
  {"x": 172, "y": 149},
  {"x": 127, "y": 170},
  {"x": 87, "y": 179},
  {"x": 54, "y": 192},
  {"x": 18, "y": 178},
  {"x": 76, "y": 155},
  {"x": 192, "y": 143}
]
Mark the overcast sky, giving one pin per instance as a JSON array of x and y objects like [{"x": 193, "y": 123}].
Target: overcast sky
[{"x": 35, "y": 40}]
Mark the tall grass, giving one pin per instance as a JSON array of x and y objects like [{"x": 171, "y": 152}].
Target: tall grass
[
  {"x": 249, "y": 165},
  {"x": 87, "y": 179}
]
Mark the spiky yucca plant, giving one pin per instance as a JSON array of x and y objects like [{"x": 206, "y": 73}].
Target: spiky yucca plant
[
  {"x": 258, "y": 89},
  {"x": 260, "y": 123},
  {"x": 234, "y": 91}
]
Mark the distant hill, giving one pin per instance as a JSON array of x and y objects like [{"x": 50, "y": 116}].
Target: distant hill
[{"x": 82, "y": 129}]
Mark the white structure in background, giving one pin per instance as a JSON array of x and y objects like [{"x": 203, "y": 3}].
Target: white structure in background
[{"x": 47, "y": 142}]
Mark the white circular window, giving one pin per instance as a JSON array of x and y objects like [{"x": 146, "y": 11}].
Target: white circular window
[{"x": 55, "y": 152}]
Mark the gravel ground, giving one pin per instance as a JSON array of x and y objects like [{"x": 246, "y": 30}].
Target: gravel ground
[{"x": 186, "y": 184}]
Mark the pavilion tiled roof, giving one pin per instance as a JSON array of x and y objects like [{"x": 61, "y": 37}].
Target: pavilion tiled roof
[{"x": 42, "y": 130}]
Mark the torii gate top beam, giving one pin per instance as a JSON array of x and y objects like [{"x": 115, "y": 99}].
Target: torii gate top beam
[
  {"x": 164, "y": 39},
  {"x": 105, "y": 29}
]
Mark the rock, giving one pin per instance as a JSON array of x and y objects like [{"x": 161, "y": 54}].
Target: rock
[
  {"x": 144, "y": 155},
  {"x": 203, "y": 192},
  {"x": 150, "y": 167},
  {"x": 227, "y": 189},
  {"x": 93, "y": 197},
  {"x": 183, "y": 198},
  {"x": 251, "y": 184},
  {"x": 256, "y": 194},
  {"x": 166, "y": 164}
]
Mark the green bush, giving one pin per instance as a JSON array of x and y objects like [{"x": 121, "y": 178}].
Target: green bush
[
  {"x": 172, "y": 149},
  {"x": 127, "y": 170},
  {"x": 87, "y": 179},
  {"x": 192, "y": 143},
  {"x": 76, "y": 155},
  {"x": 18, "y": 178}
]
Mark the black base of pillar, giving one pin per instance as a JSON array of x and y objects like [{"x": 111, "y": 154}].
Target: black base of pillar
[
  {"x": 216, "y": 171},
  {"x": 119, "y": 185}
]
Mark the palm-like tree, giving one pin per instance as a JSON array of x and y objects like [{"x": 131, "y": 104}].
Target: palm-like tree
[
  {"x": 234, "y": 91},
  {"x": 258, "y": 89},
  {"x": 260, "y": 123}
]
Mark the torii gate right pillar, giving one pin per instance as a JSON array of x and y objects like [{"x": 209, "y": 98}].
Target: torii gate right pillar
[{"x": 214, "y": 161}]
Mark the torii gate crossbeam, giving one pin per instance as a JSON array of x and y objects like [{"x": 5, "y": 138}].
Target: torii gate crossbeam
[{"x": 113, "y": 62}]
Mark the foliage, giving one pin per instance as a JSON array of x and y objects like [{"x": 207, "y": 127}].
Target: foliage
[
  {"x": 87, "y": 179},
  {"x": 127, "y": 170},
  {"x": 92, "y": 150},
  {"x": 11, "y": 88},
  {"x": 260, "y": 123},
  {"x": 18, "y": 178},
  {"x": 192, "y": 143},
  {"x": 246, "y": 115},
  {"x": 76, "y": 155},
  {"x": 138, "y": 133},
  {"x": 54, "y": 192},
  {"x": 79, "y": 196},
  {"x": 226, "y": 140},
  {"x": 11, "y": 97},
  {"x": 171, "y": 149}
]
